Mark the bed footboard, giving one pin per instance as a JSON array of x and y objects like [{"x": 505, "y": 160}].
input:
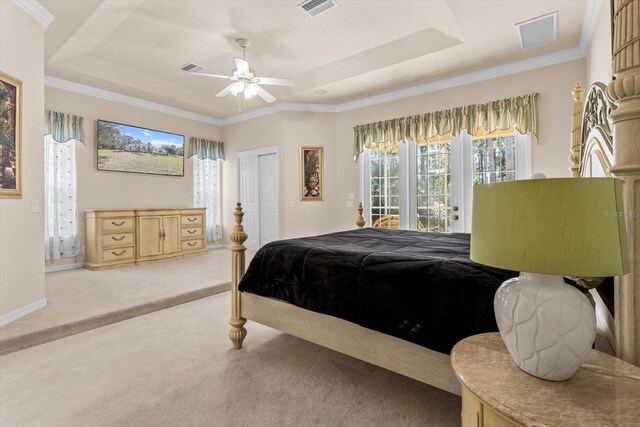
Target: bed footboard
[{"x": 238, "y": 237}]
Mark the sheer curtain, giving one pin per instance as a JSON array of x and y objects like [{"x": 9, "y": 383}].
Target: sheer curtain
[
  {"x": 60, "y": 184},
  {"x": 207, "y": 159}
]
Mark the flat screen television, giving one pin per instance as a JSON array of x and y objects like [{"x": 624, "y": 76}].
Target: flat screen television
[{"x": 126, "y": 148}]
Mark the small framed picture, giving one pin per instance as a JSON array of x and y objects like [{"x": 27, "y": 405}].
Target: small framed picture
[
  {"x": 10, "y": 136},
  {"x": 311, "y": 173}
]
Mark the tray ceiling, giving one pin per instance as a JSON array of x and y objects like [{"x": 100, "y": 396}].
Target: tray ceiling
[{"x": 356, "y": 49}]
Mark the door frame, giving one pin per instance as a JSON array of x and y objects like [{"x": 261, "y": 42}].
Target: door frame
[{"x": 260, "y": 152}]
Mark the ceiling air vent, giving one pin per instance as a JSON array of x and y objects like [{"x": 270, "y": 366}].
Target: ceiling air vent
[
  {"x": 191, "y": 68},
  {"x": 538, "y": 31},
  {"x": 316, "y": 7}
]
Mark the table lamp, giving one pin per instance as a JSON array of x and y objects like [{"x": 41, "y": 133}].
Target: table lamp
[{"x": 547, "y": 229}]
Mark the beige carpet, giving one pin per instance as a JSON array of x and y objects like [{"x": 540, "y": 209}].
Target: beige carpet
[
  {"x": 175, "y": 368},
  {"x": 80, "y": 300}
]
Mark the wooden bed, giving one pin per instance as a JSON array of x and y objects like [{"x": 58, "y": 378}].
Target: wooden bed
[{"x": 602, "y": 144}]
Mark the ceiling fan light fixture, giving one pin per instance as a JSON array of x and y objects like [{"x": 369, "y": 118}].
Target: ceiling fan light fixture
[
  {"x": 251, "y": 90},
  {"x": 236, "y": 88}
]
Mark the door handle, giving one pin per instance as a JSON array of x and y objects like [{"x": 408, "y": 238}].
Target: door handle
[
  {"x": 456, "y": 208},
  {"x": 455, "y": 217}
]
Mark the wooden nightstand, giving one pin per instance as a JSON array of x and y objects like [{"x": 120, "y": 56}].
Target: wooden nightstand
[{"x": 495, "y": 392}]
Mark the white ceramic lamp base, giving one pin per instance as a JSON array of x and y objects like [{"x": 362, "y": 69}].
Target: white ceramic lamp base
[{"x": 547, "y": 325}]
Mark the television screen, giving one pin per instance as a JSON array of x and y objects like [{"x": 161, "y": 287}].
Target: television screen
[{"x": 125, "y": 148}]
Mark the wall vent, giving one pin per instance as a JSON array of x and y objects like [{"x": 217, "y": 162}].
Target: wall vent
[
  {"x": 191, "y": 68},
  {"x": 316, "y": 7},
  {"x": 538, "y": 31}
]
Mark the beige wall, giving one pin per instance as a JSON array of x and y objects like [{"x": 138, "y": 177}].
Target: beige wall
[
  {"x": 106, "y": 190},
  {"x": 289, "y": 130},
  {"x": 599, "y": 54},
  {"x": 21, "y": 231}
]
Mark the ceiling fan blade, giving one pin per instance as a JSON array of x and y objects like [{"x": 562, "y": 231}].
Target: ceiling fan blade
[
  {"x": 224, "y": 92},
  {"x": 220, "y": 76},
  {"x": 265, "y": 95},
  {"x": 242, "y": 66},
  {"x": 274, "y": 81}
]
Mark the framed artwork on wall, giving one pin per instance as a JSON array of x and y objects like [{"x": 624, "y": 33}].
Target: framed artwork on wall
[
  {"x": 311, "y": 173},
  {"x": 10, "y": 136}
]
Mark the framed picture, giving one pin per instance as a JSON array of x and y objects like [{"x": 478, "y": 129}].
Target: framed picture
[
  {"x": 311, "y": 173},
  {"x": 10, "y": 136},
  {"x": 126, "y": 148}
]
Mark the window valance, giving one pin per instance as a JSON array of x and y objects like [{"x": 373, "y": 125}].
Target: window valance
[
  {"x": 206, "y": 148},
  {"x": 519, "y": 112},
  {"x": 63, "y": 127}
]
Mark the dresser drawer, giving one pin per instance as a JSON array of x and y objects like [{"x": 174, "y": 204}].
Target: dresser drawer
[
  {"x": 191, "y": 232},
  {"x": 117, "y": 224},
  {"x": 192, "y": 245},
  {"x": 118, "y": 239},
  {"x": 192, "y": 219},
  {"x": 117, "y": 254}
]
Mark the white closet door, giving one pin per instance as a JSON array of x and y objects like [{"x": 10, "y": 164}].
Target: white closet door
[
  {"x": 250, "y": 199},
  {"x": 269, "y": 221}
]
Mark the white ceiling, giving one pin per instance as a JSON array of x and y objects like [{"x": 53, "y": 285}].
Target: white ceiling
[{"x": 357, "y": 49}]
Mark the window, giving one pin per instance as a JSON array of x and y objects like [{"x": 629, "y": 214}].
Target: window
[
  {"x": 385, "y": 188},
  {"x": 206, "y": 194},
  {"x": 433, "y": 185},
  {"x": 427, "y": 186},
  {"x": 494, "y": 159}
]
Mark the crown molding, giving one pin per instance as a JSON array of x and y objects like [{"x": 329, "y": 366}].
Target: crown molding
[
  {"x": 589, "y": 24},
  {"x": 578, "y": 52},
  {"x": 35, "y": 9},
  {"x": 129, "y": 100},
  {"x": 278, "y": 108}
]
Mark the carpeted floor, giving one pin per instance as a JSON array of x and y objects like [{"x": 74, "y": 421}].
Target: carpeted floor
[
  {"x": 175, "y": 367},
  {"x": 80, "y": 300}
]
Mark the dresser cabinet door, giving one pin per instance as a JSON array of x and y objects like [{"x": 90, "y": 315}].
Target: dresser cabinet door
[
  {"x": 149, "y": 236},
  {"x": 171, "y": 235}
]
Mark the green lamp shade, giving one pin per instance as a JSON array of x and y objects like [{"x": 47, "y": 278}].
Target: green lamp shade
[{"x": 565, "y": 226}]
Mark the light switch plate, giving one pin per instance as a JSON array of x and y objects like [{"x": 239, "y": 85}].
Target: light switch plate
[
  {"x": 350, "y": 204},
  {"x": 351, "y": 196},
  {"x": 35, "y": 206}
]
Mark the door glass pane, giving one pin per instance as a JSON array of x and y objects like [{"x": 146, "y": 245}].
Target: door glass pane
[
  {"x": 433, "y": 186},
  {"x": 494, "y": 159},
  {"x": 385, "y": 188}
]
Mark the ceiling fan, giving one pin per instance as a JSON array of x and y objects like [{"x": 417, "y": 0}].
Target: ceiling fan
[{"x": 245, "y": 81}]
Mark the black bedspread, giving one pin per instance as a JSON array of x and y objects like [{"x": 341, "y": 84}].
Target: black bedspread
[{"x": 421, "y": 287}]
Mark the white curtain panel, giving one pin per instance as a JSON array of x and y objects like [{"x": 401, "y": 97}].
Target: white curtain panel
[
  {"x": 60, "y": 195},
  {"x": 206, "y": 194}
]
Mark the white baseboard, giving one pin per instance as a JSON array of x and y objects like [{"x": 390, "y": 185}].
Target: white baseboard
[
  {"x": 22, "y": 311},
  {"x": 62, "y": 267}
]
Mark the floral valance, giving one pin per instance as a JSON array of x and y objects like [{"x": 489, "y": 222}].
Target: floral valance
[
  {"x": 63, "y": 127},
  {"x": 519, "y": 112},
  {"x": 206, "y": 148}
]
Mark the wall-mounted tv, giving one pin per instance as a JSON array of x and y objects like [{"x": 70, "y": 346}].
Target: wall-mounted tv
[{"x": 125, "y": 148}]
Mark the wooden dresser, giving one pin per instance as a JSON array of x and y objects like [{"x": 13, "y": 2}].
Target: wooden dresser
[
  {"x": 496, "y": 393},
  {"x": 121, "y": 236}
]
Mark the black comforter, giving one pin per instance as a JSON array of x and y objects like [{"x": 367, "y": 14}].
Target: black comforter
[{"x": 421, "y": 287}]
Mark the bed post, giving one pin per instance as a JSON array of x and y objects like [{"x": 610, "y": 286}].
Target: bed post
[
  {"x": 625, "y": 121},
  {"x": 238, "y": 237},
  {"x": 576, "y": 129},
  {"x": 360, "y": 222}
]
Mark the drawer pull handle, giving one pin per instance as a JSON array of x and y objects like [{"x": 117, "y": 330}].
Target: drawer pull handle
[
  {"x": 118, "y": 254},
  {"x": 191, "y": 219},
  {"x": 116, "y": 239},
  {"x": 192, "y": 231},
  {"x": 117, "y": 224},
  {"x": 192, "y": 243}
]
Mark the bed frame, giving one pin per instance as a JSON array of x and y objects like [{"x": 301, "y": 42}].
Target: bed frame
[{"x": 605, "y": 142}]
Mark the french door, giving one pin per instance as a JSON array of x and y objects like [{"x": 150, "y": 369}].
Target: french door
[{"x": 428, "y": 185}]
